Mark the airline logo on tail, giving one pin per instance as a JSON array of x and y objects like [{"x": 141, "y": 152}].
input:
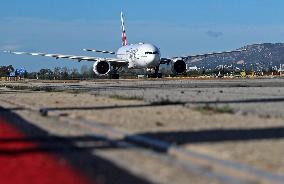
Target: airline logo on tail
[{"x": 124, "y": 41}]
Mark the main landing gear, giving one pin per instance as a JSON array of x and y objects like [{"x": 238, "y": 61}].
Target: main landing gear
[
  {"x": 114, "y": 74},
  {"x": 156, "y": 74}
]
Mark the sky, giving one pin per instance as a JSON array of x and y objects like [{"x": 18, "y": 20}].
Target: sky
[{"x": 178, "y": 28}]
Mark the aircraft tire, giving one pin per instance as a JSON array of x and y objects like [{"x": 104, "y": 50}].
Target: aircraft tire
[
  {"x": 154, "y": 75},
  {"x": 114, "y": 76},
  {"x": 150, "y": 76}
]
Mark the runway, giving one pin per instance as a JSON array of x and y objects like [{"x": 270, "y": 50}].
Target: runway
[{"x": 162, "y": 131}]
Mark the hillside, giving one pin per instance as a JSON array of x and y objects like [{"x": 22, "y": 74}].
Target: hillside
[{"x": 258, "y": 57}]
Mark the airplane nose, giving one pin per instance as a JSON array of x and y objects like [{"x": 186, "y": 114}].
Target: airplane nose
[{"x": 155, "y": 59}]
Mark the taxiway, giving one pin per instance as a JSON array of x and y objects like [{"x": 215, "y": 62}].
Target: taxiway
[{"x": 162, "y": 131}]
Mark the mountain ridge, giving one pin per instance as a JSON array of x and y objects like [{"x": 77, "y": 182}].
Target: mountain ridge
[{"x": 263, "y": 56}]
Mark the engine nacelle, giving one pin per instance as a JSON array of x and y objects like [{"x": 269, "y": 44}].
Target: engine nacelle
[
  {"x": 178, "y": 66},
  {"x": 101, "y": 68}
]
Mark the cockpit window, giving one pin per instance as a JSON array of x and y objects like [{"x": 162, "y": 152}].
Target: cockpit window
[{"x": 156, "y": 52}]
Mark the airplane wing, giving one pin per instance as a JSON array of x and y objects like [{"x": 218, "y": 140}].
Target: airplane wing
[
  {"x": 72, "y": 57},
  {"x": 99, "y": 51},
  {"x": 210, "y": 54},
  {"x": 168, "y": 60}
]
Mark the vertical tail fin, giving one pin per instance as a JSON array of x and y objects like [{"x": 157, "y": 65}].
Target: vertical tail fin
[{"x": 124, "y": 40}]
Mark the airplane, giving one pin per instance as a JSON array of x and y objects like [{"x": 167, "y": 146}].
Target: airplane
[{"x": 130, "y": 56}]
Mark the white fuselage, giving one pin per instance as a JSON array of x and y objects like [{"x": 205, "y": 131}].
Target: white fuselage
[{"x": 140, "y": 55}]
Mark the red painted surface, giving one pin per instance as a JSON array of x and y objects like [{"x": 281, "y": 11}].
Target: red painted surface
[{"x": 31, "y": 167}]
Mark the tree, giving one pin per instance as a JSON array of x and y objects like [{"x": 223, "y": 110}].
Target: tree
[
  {"x": 65, "y": 73},
  {"x": 57, "y": 73},
  {"x": 84, "y": 71},
  {"x": 6, "y": 70},
  {"x": 32, "y": 75},
  {"x": 45, "y": 74},
  {"x": 91, "y": 73},
  {"x": 10, "y": 69},
  {"x": 75, "y": 73}
]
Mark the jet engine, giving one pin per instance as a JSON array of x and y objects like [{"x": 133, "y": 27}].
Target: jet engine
[
  {"x": 101, "y": 68},
  {"x": 178, "y": 66}
]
